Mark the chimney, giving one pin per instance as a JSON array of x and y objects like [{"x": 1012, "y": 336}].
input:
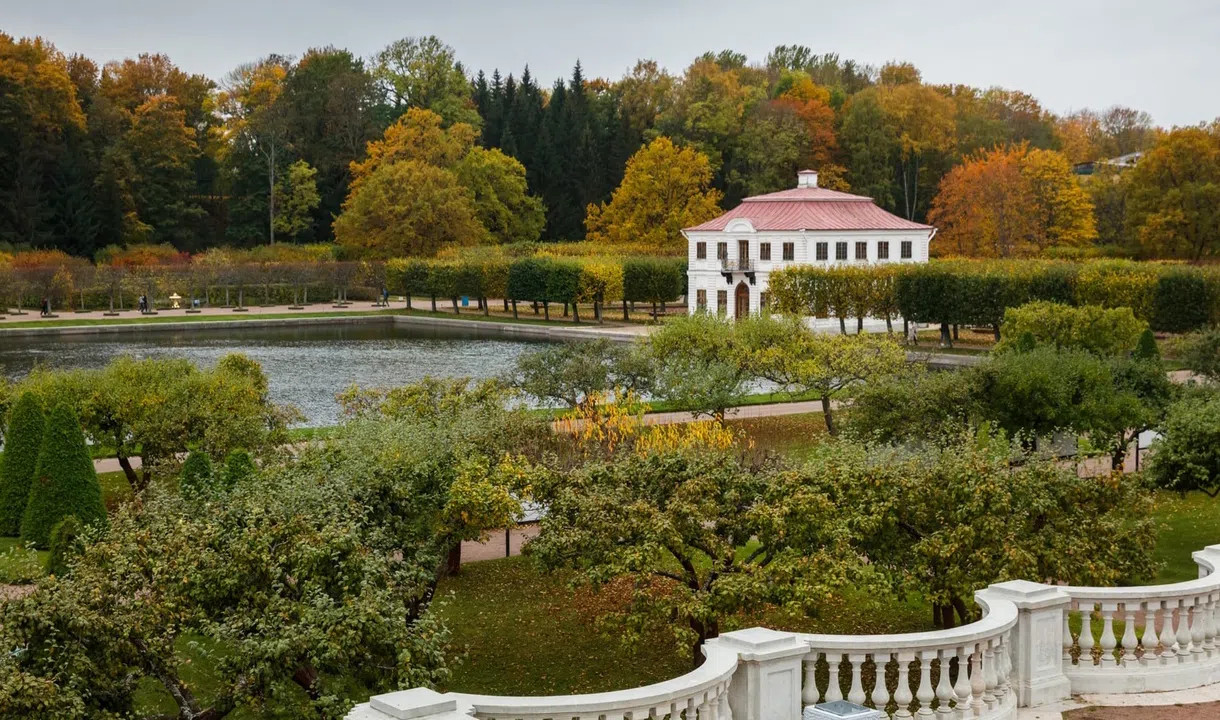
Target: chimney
[{"x": 807, "y": 179}]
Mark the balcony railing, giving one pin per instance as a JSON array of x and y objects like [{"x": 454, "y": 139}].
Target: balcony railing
[{"x": 740, "y": 265}]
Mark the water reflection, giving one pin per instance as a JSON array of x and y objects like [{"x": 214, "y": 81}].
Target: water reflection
[{"x": 306, "y": 365}]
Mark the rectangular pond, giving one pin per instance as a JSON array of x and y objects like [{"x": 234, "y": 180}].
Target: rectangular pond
[{"x": 306, "y": 365}]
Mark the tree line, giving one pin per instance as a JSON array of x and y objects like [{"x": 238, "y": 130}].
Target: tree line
[{"x": 139, "y": 151}]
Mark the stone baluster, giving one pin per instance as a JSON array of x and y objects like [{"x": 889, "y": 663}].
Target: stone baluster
[
  {"x": 1168, "y": 651},
  {"x": 924, "y": 694},
  {"x": 1108, "y": 641},
  {"x": 902, "y": 693},
  {"x": 726, "y": 712},
  {"x": 978, "y": 684},
  {"x": 944, "y": 688},
  {"x": 1198, "y": 621},
  {"x": 690, "y": 709},
  {"x": 809, "y": 692},
  {"x": 989, "y": 676},
  {"x": 1149, "y": 640},
  {"x": 1183, "y": 636},
  {"x": 1209, "y": 627},
  {"x": 962, "y": 687},
  {"x": 1068, "y": 640},
  {"x": 833, "y": 691},
  {"x": 1086, "y": 635},
  {"x": 1005, "y": 655},
  {"x": 1129, "y": 641},
  {"x": 856, "y": 692}
]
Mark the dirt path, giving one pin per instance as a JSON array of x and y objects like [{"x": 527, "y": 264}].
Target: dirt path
[{"x": 1201, "y": 711}]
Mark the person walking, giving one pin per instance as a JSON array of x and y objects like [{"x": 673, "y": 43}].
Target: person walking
[{"x": 45, "y": 308}]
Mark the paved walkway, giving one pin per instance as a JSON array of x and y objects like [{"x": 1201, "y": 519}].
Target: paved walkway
[{"x": 1193, "y": 704}]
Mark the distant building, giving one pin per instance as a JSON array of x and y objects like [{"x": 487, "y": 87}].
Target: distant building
[
  {"x": 731, "y": 258},
  {"x": 1122, "y": 162}
]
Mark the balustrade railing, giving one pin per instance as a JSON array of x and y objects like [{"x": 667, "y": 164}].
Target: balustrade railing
[
  {"x": 1155, "y": 638},
  {"x": 1035, "y": 644}
]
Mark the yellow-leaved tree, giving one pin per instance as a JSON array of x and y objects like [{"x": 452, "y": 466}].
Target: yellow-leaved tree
[
  {"x": 665, "y": 188},
  {"x": 1011, "y": 202}
]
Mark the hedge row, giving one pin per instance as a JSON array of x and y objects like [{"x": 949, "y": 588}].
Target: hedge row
[
  {"x": 541, "y": 280},
  {"x": 1171, "y": 298}
]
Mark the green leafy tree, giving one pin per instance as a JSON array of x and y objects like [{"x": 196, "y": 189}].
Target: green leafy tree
[
  {"x": 674, "y": 523},
  {"x": 571, "y": 373},
  {"x": 64, "y": 481},
  {"x": 163, "y": 153},
  {"x": 239, "y": 468},
  {"x": 950, "y": 520},
  {"x": 423, "y": 72},
  {"x": 1200, "y": 352},
  {"x": 501, "y": 199},
  {"x": 917, "y": 407},
  {"x": 22, "y": 441},
  {"x": 789, "y": 354},
  {"x": 1187, "y": 454},
  {"x": 1174, "y": 202},
  {"x": 701, "y": 365}
]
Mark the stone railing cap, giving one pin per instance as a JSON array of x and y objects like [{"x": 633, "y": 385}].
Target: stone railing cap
[
  {"x": 414, "y": 703},
  {"x": 759, "y": 643},
  {"x": 1027, "y": 595}
]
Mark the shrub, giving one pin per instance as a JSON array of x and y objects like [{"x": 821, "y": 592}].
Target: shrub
[
  {"x": 20, "y": 566},
  {"x": 1187, "y": 455},
  {"x": 1181, "y": 301},
  {"x": 239, "y": 467},
  {"x": 1146, "y": 348},
  {"x": 64, "y": 481},
  {"x": 1091, "y": 328},
  {"x": 22, "y": 443},
  {"x": 64, "y": 538},
  {"x": 196, "y": 475},
  {"x": 1201, "y": 352}
]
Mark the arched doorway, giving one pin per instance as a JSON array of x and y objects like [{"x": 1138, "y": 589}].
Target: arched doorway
[{"x": 743, "y": 301}]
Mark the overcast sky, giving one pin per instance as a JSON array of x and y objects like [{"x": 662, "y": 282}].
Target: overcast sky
[{"x": 1162, "y": 56}]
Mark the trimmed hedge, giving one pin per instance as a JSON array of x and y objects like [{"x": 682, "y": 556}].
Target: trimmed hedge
[
  {"x": 64, "y": 481},
  {"x": 1171, "y": 298},
  {"x": 22, "y": 444},
  {"x": 196, "y": 476}
]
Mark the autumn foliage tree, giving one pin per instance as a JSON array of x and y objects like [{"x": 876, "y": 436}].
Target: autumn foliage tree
[
  {"x": 1174, "y": 201},
  {"x": 1009, "y": 203},
  {"x": 665, "y": 188}
]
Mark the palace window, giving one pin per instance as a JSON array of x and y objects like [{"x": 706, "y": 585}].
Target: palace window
[
  {"x": 764, "y": 251},
  {"x": 722, "y": 302},
  {"x": 701, "y": 251},
  {"x": 840, "y": 251},
  {"x": 722, "y": 251},
  {"x": 862, "y": 251},
  {"x": 823, "y": 251},
  {"x": 789, "y": 251},
  {"x": 701, "y": 299},
  {"x": 883, "y": 250},
  {"x": 906, "y": 249}
]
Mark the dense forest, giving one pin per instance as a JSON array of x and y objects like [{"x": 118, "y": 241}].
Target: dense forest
[{"x": 140, "y": 152}]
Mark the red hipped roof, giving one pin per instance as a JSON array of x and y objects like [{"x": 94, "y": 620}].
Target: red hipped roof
[{"x": 812, "y": 208}]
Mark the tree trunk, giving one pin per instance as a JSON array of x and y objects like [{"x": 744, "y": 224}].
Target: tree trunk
[
  {"x": 597, "y": 311},
  {"x": 906, "y": 329},
  {"x": 842, "y": 326},
  {"x": 654, "y": 310},
  {"x": 408, "y": 301},
  {"x": 565, "y": 309},
  {"x": 889, "y": 325},
  {"x": 453, "y": 563},
  {"x": 535, "y": 307},
  {"x": 946, "y": 340},
  {"x": 514, "y": 309},
  {"x": 129, "y": 471},
  {"x": 995, "y": 330},
  {"x": 625, "y": 316},
  {"x": 828, "y": 416},
  {"x": 455, "y": 306},
  {"x": 663, "y": 307},
  {"x": 505, "y": 301},
  {"x": 546, "y": 310},
  {"x": 433, "y": 303},
  {"x": 859, "y": 325},
  {"x": 955, "y": 335},
  {"x": 486, "y": 307},
  {"x": 963, "y": 613}
]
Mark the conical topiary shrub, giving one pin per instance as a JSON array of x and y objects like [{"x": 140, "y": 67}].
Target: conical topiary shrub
[
  {"x": 21, "y": 446},
  {"x": 239, "y": 467},
  {"x": 63, "y": 545},
  {"x": 1146, "y": 348},
  {"x": 197, "y": 475},
  {"x": 64, "y": 480}
]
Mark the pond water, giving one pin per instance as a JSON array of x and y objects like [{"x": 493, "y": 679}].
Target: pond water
[{"x": 305, "y": 365}]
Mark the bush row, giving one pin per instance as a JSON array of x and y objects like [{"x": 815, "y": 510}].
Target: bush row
[
  {"x": 542, "y": 280},
  {"x": 1169, "y": 297}
]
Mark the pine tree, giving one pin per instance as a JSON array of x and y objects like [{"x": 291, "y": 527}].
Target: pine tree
[
  {"x": 64, "y": 482},
  {"x": 1146, "y": 348},
  {"x": 24, "y": 439},
  {"x": 197, "y": 475}
]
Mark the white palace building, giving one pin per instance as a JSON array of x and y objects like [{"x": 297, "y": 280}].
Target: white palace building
[{"x": 732, "y": 257}]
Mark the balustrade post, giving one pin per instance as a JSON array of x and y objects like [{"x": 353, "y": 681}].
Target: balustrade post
[
  {"x": 1183, "y": 636},
  {"x": 944, "y": 688},
  {"x": 1198, "y": 621},
  {"x": 856, "y": 691},
  {"x": 1168, "y": 650},
  {"x": 925, "y": 695},
  {"x": 962, "y": 688},
  {"x": 1035, "y": 656},
  {"x": 1129, "y": 641},
  {"x": 767, "y": 683},
  {"x": 1108, "y": 641},
  {"x": 1149, "y": 641},
  {"x": 902, "y": 693}
]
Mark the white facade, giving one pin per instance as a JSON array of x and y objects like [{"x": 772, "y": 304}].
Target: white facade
[{"x": 736, "y": 262}]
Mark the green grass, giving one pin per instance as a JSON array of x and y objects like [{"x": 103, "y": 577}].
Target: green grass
[{"x": 1188, "y": 523}]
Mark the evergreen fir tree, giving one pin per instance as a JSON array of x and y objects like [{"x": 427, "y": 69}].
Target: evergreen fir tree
[
  {"x": 239, "y": 467},
  {"x": 64, "y": 480},
  {"x": 22, "y": 443},
  {"x": 1146, "y": 348},
  {"x": 63, "y": 545},
  {"x": 196, "y": 475}
]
